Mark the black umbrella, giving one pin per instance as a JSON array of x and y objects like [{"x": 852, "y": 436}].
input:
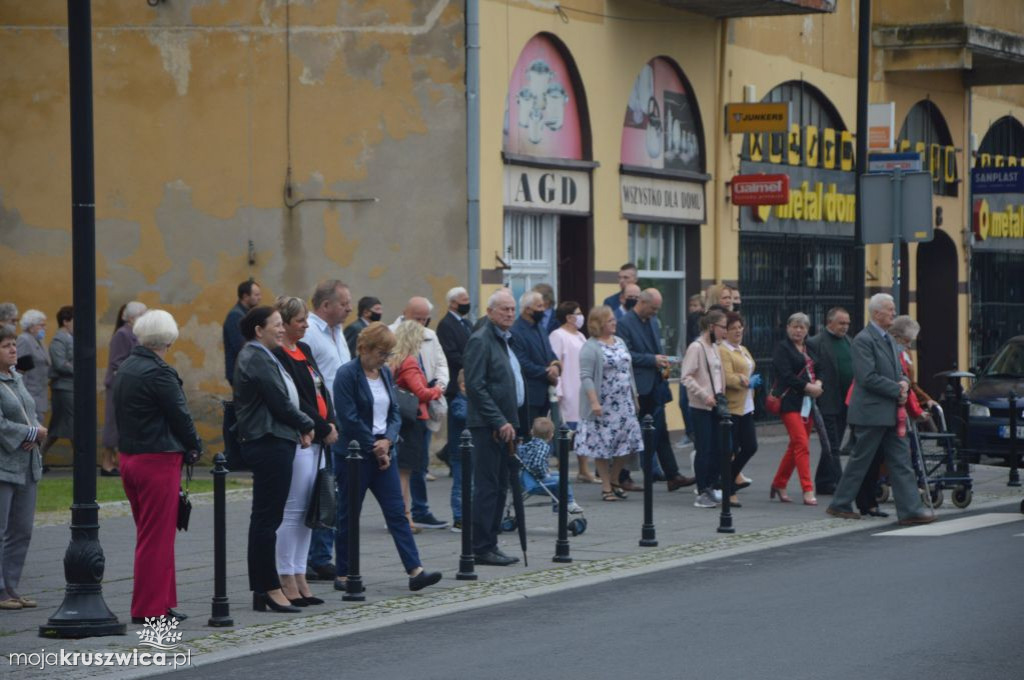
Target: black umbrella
[
  {"x": 517, "y": 497},
  {"x": 826, "y": 446}
]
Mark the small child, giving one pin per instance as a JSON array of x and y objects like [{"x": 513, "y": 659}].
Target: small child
[{"x": 535, "y": 454}]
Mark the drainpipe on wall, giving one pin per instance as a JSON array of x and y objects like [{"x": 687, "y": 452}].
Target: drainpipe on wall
[
  {"x": 722, "y": 211},
  {"x": 473, "y": 151}
]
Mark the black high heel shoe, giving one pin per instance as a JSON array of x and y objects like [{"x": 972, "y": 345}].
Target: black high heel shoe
[
  {"x": 310, "y": 600},
  {"x": 299, "y": 602},
  {"x": 261, "y": 601}
]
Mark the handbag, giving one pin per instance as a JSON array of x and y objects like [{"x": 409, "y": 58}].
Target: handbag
[
  {"x": 721, "y": 409},
  {"x": 232, "y": 447},
  {"x": 322, "y": 511},
  {"x": 408, "y": 404},
  {"x": 773, "y": 403},
  {"x": 184, "y": 502}
]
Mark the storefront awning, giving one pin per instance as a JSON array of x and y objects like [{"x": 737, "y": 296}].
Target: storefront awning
[
  {"x": 986, "y": 56},
  {"x": 751, "y": 8}
]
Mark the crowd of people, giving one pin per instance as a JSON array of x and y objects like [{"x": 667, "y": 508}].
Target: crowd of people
[{"x": 304, "y": 386}]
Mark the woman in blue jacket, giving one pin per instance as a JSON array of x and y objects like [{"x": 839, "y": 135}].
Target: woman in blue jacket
[{"x": 367, "y": 409}]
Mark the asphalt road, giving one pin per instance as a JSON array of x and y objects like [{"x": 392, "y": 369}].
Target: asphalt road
[{"x": 855, "y": 606}]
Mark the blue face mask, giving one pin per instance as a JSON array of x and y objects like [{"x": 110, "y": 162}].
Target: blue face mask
[{"x": 40, "y": 334}]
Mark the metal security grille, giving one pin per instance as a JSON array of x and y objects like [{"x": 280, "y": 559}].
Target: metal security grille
[
  {"x": 997, "y": 302},
  {"x": 783, "y": 274}
]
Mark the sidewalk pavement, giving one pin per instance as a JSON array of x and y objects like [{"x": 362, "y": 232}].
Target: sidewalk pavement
[{"x": 607, "y": 550}]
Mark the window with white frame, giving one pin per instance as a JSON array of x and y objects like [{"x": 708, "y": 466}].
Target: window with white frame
[{"x": 658, "y": 250}]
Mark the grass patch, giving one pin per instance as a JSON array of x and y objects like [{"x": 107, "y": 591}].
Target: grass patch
[{"x": 55, "y": 493}]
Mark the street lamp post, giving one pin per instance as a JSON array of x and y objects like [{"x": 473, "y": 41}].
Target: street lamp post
[{"x": 83, "y": 613}]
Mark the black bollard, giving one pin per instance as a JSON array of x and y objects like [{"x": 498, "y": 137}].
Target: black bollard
[
  {"x": 220, "y": 614},
  {"x": 1014, "y": 451},
  {"x": 725, "y": 458},
  {"x": 466, "y": 561},
  {"x": 647, "y": 535},
  {"x": 562, "y": 542},
  {"x": 353, "y": 581}
]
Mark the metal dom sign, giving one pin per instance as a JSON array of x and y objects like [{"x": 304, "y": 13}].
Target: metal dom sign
[{"x": 760, "y": 189}]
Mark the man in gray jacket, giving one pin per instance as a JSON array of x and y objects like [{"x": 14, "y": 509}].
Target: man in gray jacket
[
  {"x": 880, "y": 388},
  {"x": 495, "y": 391}
]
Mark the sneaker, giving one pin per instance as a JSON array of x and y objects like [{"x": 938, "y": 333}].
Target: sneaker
[
  {"x": 428, "y": 521},
  {"x": 429, "y": 477},
  {"x": 717, "y": 495},
  {"x": 574, "y": 508},
  {"x": 705, "y": 500},
  {"x": 457, "y": 526}
]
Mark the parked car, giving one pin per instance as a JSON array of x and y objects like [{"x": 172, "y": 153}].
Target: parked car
[{"x": 988, "y": 425}]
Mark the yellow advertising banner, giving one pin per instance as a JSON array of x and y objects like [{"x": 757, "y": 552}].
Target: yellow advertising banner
[{"x": 770, "y": 117}]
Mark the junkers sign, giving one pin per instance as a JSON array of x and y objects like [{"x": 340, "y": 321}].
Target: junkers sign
[{"x": 550, "y": 190}]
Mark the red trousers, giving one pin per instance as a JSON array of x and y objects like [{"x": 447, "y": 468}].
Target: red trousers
[
  {"x": 798, "y": 453},
  {"x": 151, "y": 482}
]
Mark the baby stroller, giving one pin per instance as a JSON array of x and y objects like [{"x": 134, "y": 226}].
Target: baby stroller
[
  {"x": 532, "y": 486},
  {"x": 938, "y": 464}
]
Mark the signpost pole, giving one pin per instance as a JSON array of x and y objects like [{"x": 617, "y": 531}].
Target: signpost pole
[{"x": 897, "y": 233}]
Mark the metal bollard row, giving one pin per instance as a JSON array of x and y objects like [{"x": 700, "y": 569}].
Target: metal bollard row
[
  {"x": 353, "y": 580},
  {"x": 725, "y": 460},
  {"x": 466, "y": 563},
  {"x": 647, "y": 533},
  {"x": 562, "y": 542}
]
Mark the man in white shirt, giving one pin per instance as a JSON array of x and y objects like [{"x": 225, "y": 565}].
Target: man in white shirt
[
  {"x": 435, "y": 367},
  {"x": 331, "y": 304}
]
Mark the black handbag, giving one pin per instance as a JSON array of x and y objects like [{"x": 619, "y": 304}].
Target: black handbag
[
  {"x": 184, "y": 502},
  {"x": 232, "y": 447},
  {"x": 322, "y": 511},
  {"x": 408, "y": 404}
]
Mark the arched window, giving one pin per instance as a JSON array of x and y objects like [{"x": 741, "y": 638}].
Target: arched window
[
  {"x": 1003, "y": 144},
  {"x": 925, "y": 131}
]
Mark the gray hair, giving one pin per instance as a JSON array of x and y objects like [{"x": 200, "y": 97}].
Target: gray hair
[
  {"x": 834, "y": 312},
  {"x": 799, "y": 318},
  {"x": 905, "y": 327},
  {"x": 645, "y": 296},
  {"x": 877, "y": 300},
  {"x": 529, "y": 298},
  {"x": 290, "y": 307},
  {"x": 493, "y": 300},
  {"x": 327, "y": 292},
  {"x": 133, "y": 310},
  {"x": 7, "y": 332},
  {"x": 30, "y": 318},
  {"x": 8, "y": 312},
  {"x": 454, "y": 293},
  {"x": 156, "y": 329}
]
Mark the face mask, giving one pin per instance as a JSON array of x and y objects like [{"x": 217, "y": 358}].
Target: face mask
[
  {"x": 537, "y": 315},
  {"x": 375, "y": 316},
  {"x": 579, "y": 321},
  {"x": 463, "y": 310},
  {"x": 40, "y": 334},
  {"x": 735, "y": 307},
  {"x": 630, "y": 303}
]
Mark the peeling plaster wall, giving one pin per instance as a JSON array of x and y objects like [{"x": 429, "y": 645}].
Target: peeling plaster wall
[{"x": 191, "y": 131}]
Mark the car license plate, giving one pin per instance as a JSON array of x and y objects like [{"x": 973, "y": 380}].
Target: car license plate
[{"x": 1004, "y": 432}]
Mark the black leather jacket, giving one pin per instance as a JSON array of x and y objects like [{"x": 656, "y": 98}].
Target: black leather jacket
[
  {"x": 150, "y": 408},
  {"x": 261, "y": 399}
]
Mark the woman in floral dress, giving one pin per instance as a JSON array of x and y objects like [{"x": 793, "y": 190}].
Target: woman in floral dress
[{"x": 609, "y": 430}]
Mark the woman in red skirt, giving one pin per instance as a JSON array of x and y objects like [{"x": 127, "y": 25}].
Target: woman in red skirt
[{"x": 155, "y": 436}]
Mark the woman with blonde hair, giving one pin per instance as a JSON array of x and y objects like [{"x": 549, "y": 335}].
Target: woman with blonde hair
[
  {"x": 719, "y": 295},
  {"x": 409, "y": 376}
]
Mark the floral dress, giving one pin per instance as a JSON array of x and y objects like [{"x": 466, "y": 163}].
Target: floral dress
[{"x": 617, "y": 431}]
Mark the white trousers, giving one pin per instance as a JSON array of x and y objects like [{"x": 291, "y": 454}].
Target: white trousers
[{"x": 293, "y": 535}]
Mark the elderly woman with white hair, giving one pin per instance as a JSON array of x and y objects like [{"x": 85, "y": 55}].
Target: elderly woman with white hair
[
  {"x": 121, "y": 344},
  {"x": 795, "y": 383},
  {"x": 155, "y": 436},
  {"x": 34, "y": 360}
]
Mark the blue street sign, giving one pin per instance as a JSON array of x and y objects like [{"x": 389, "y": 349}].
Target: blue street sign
[
  {"x": 997, "y": 180},
  {"x": 888, "y": 162}
]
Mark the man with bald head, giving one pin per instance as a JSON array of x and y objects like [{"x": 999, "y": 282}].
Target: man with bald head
[
  {"x": 495, "y": 392},
  {"x": 628, "y": 298},
  {"x": 641, "y": 332},
  {"x": 435, "y": 367}
]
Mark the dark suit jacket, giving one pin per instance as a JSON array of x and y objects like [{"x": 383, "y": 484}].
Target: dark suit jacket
[
  {"x": 643, "y": 347},
  {"x": 530, "y": 343},
  {"x": 351, "y": 333},
  {"x": 833, "y": 399},
  {"x": 490, "y": 384},
  {"x": 876, "y": 375},
  {"x": 307, "y": 389},
  {"x": 616, "y": 304},
  {"x": 233, "y": 340},
  {"x": 790, "y": 375},
  {"x": 354, "y": 403},
  {"x": 453, "y": 333}
]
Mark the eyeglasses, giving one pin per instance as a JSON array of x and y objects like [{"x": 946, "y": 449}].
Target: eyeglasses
[{"x": 722, "y": 326}]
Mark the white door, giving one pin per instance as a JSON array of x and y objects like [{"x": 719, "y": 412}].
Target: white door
[{"x": 530, "y": 251}]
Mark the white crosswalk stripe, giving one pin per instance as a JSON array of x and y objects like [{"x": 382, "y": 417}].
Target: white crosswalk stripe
[{"x": 955, "y": 526}]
